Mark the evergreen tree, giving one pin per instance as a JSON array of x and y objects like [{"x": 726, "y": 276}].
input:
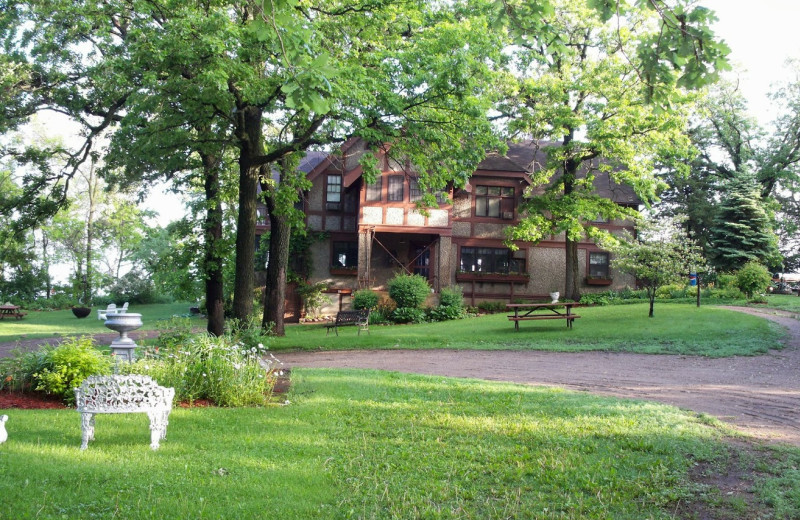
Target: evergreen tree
[{"x": 742, "y": 229}]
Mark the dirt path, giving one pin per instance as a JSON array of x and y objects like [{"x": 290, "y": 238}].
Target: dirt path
[{"x": 759, "y": 395}]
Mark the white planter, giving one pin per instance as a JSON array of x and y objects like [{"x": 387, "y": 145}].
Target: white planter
[{"x": 554, "y": 297}]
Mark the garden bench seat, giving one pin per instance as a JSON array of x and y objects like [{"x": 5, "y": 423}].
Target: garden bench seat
[
  {"x": 360, "y": 318},
  {"x": 124, "y": 394}
]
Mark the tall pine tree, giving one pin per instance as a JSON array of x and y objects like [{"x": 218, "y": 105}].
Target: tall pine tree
[{"x": 742, "y": 229}]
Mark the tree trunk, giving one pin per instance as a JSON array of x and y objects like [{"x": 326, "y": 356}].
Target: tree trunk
[
  {"x": 651, "y": 294},
  {"x": 572, "y": 273},
  {"x": 213, "y": 259},
  {"x": 87, "y": 283},
  {"x": 275, "y": 297},
  {"x": 46, "y": 264},
  {"x": 250, "y": 146}
]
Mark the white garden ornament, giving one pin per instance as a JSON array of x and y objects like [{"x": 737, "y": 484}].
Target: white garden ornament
[{"x": 3, "y": 432}]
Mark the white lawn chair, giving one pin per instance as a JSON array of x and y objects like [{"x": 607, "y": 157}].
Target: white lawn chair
[
  {"x": 102, "y": 314},
  {"x": 123, "y": 309}
]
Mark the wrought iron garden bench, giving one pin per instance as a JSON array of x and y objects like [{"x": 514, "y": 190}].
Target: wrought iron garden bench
[{"x": 124, "y": 394}]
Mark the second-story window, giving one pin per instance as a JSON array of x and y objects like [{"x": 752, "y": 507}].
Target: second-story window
[
  {"x": 333, "y": 200},
  {"x": 374, "y": 190},
  {"x": 396, "y": 188},
  {"x": 414, "y": 192},
  {"x": 494, "y": 201}
]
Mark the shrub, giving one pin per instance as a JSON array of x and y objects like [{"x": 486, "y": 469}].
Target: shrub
[
  {"x": 378, "y": 317},
  {"x": 408, "y": 315},
  {"x": 313, "y": 297},
  {"x": 446, "y": 312},
  {"x": 753, "y": 278},
  {"x": 68, "y": 365},
  {"x": 409, "y": 290},
  {"x": 725, "y": 281},
  {"x": 174, "y": 332},
  {"x": 451, "y": 297},
  {"x": 595, "y": 299},
  {"x": 451, "y": 305},
  {"x": 16, "y": 371},
  {"x": 216, "y": 368},
  {"x": 365, "y": 299},
  {"x": 491, "y": 306}
]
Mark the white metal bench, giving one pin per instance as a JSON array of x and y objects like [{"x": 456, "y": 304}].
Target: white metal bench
[
  {"x": 102, "y": 314},
  {"x": 124, "y": 394}
]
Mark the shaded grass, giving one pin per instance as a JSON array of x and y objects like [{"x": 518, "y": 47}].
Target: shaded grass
[
  {"x": 365, "y": 444},
  {"x": 675, "y": 329},
  {"x": 42, "y": 324}
]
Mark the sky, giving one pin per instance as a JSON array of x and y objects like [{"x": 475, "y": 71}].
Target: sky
[{"x": 761, "y": 35}]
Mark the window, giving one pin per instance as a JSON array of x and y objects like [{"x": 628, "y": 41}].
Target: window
[
  {"x": 374, "y": 191},
  {"x": 490, "y": 260},
  {"x": 414, "y": 193},
  {"x": 494, "y": 201},
  {"x": 334, "y": 192},
  {"x": 345, "y": 254},
  {"x": 396, "y": 188},
  {"x": 598, "y": 265}
]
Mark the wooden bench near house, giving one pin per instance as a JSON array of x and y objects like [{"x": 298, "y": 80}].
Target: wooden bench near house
[{"x": 359, "y": 318}]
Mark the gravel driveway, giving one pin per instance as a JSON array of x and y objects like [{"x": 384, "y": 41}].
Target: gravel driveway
[{"x": 759, "y": 395}]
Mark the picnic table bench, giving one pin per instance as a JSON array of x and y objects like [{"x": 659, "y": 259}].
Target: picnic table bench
[
  {"x": 124, "y": 394},
  {"x": 360, "y": 318},
  {"x": 553, "y": 311},
  {"x": 11, "y": 311}
]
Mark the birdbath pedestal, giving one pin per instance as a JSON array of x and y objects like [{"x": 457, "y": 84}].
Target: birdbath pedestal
[{"x": 122, "y": 348}]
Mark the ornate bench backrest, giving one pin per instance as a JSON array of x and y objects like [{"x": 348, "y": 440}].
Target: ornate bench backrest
[{"x": 132, "y": 393}]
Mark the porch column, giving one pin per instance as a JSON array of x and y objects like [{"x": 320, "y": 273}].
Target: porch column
[
  {"x": 445, "y": 274},
  {"x": 364, "y": 259}
]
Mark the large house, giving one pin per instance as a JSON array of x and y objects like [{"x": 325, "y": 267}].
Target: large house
[{"x": 374, "y": 231}]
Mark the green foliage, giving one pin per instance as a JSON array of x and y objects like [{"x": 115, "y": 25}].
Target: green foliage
[
  {"x": 134, "y": 287},
  {"x": 753, "y": 278},
  {"x": 220, "y": 369},
  {"x": 661, "y": 254},
  {"x": 595, "y": 299},
  {"x": 408, "y": 315},
  {"x": 742, "y": 229},
  {"x": 491, "y": 306},
  {"x": 451, "y": 305},
  {"x": 365, "y": 299},
  {"x": 313, "y": 297},
  {"x": 67, "y": 365},
  {"x": 17, "y": 370},
  {"x": 447, "y": 312},
  {"x": 409, "y": 290},
  {"x": 451, "y": 296}
]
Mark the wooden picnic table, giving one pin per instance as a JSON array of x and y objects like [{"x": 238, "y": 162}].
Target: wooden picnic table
[
  {"x": 11, "y": 310},
  {"x": 542, "y": 311}
]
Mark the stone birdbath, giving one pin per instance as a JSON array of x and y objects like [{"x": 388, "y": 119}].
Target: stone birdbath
[{"x": 122, "y": 347}]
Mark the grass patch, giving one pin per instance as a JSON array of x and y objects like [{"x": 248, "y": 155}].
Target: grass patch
[
  {"x": 675, "y": 329},
  {"x": 365, "y": 444},
  {"x": 784, "y": 302},
  {"x": 43, "y": 324}
]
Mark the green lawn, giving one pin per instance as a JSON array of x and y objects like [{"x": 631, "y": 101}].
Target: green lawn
[
  {"x": 675, "y": 329},
  {"x": 42, "y": 324},
  {"x": 784, "y": 302},
  {"x": 364, "y": 444}
]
